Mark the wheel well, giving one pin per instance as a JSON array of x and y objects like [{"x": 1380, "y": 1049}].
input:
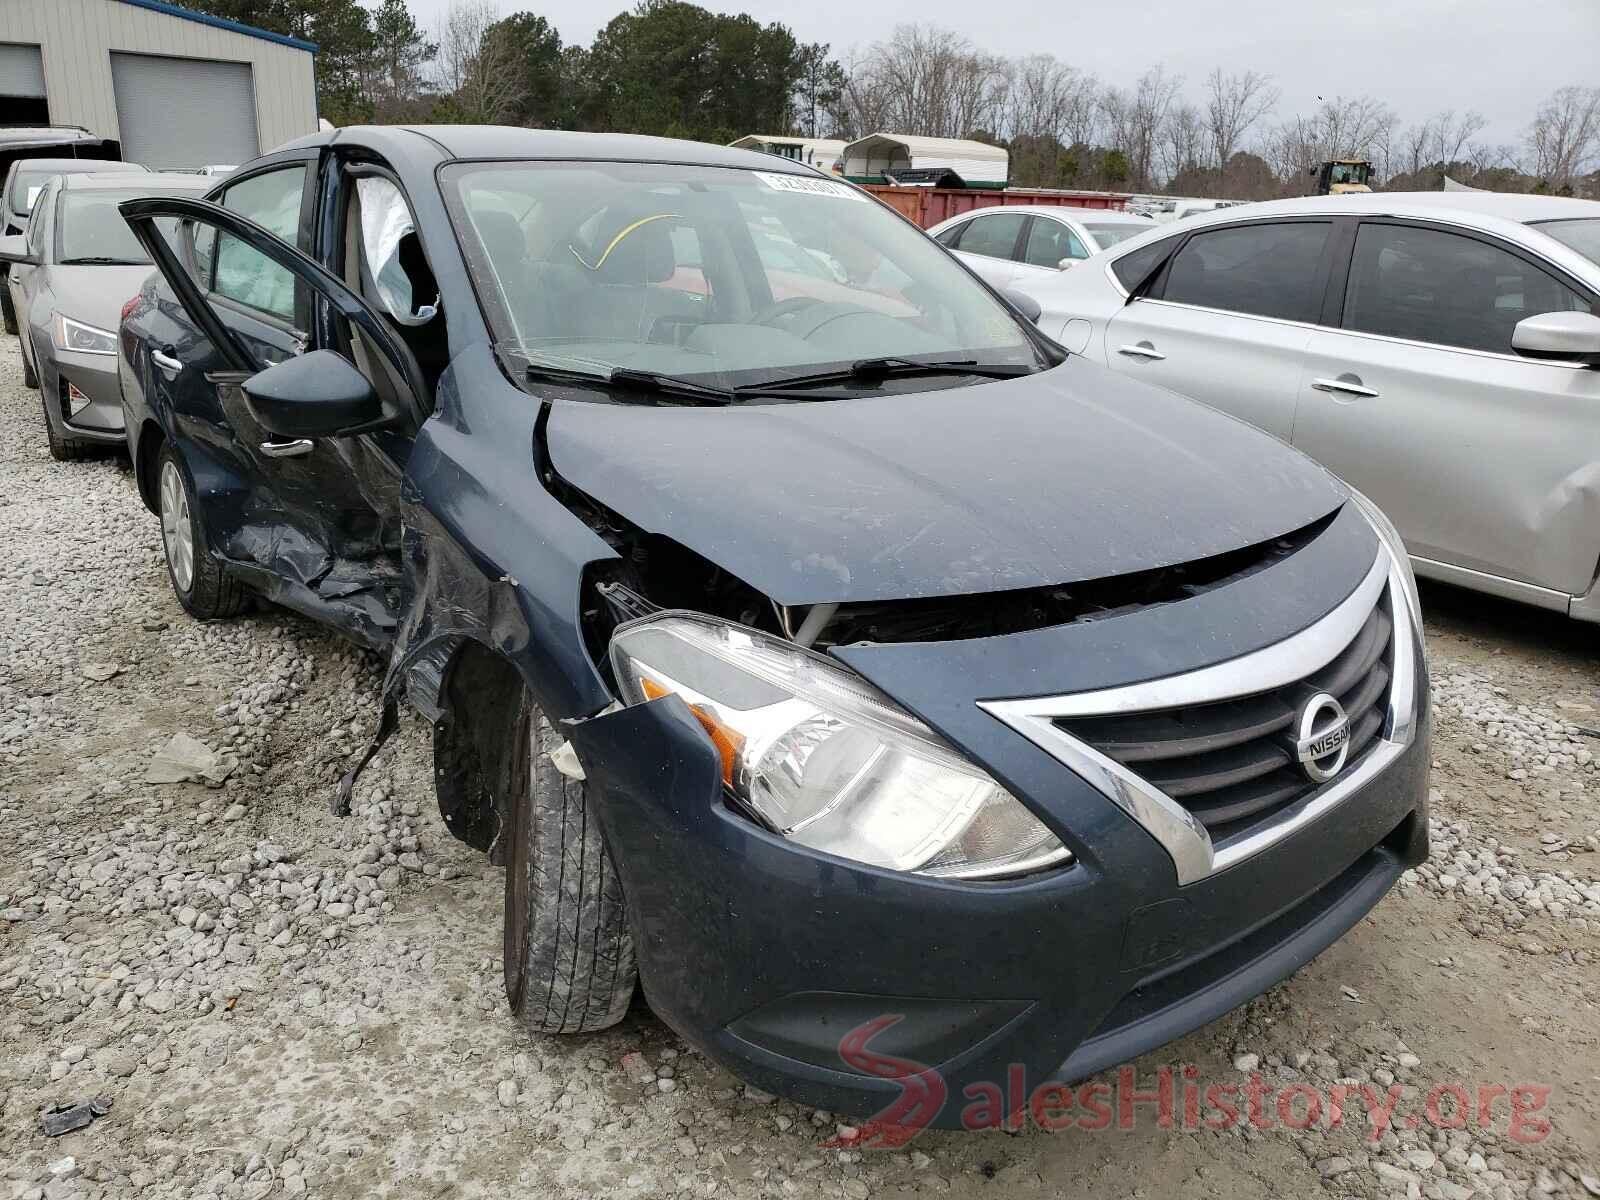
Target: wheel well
[
  {"x": 475, "y": 767},
  {"x": 151, "y": 439}
]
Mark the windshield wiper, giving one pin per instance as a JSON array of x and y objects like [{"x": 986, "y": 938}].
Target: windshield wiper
[
  {"x": 640, "y": 381},
  {"x": 100, "y": 260},
  {"x": 883, "y": 368}
]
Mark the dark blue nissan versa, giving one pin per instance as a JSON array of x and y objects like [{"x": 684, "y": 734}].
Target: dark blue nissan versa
[{"x": 812, "y": 640}]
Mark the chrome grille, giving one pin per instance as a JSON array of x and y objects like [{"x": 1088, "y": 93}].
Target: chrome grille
[
  {"x": 1231, "y": 763},
  {"x": 1208, "y": 734}
]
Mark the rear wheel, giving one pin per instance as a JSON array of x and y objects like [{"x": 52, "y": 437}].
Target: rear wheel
[
  {"x": 203, "y": 588},
  {"x": 569, "y": 965}
]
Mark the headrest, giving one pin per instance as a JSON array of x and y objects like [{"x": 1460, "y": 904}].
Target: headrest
[{"x": 502, "y": 236}]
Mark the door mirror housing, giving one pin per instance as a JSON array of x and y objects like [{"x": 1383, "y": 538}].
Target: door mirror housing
[
  {"x": 1573, "y": 336},
  {"x": 1023, "y": 303},
  {"x": 14, "y": 249},
  {"x": 320, "y": 394},
  {"x": 1065, "y": 263}
]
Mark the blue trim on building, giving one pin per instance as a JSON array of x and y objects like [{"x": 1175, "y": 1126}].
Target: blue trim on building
[{"x": 172, "y": 10}]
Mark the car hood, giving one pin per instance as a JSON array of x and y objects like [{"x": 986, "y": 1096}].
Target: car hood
[
  {"x": 95, "y": 294},
  {"x": 1070, "y": 474}
]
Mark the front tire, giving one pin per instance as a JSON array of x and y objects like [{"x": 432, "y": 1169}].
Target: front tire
[
  {"x": 7, "y": 313},
  {"x": 204, "y": 589},
  {"x": 62, "y": 449},
  {"x": 30, "y": 377},
  {"x": 569, "y": 962}
]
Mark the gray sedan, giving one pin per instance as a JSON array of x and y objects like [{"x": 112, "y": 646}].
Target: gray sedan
[
  {"x": 71, "y": 272},
  {"x": 1441, "y": 351}
]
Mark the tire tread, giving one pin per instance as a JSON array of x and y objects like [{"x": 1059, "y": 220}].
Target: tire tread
[{"x": 578, "y": 956}]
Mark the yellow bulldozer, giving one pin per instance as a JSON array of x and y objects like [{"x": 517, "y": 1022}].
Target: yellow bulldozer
[{"x": 1341, "y": 176}]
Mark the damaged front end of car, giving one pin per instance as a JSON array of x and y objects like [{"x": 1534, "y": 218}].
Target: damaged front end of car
[{"x": 795, "y": 709}]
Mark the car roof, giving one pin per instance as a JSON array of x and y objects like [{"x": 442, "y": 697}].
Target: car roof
[
  {"x": 67, "y": 165},
  {"x": 1466, "y": 207},
  {"x": 101, "y": 180},
  {"x": 21, "y": 135},
  {"x": 513, "y": 142},
  {"x": 1072, "y": 212}
]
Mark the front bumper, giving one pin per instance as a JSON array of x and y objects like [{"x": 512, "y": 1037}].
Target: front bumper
[
  {"x": 95, "y": 376},
  {"x": 766, "y": 955}
]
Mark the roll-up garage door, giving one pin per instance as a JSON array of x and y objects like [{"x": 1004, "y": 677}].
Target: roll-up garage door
[
  {"x": 21, "y": 71},
  {"x": 184, "y": 112}
]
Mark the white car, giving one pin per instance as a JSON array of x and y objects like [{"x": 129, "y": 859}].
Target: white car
[
  {"x": 1440, "y": 351},
  {"x": 1013, "y": 245}
]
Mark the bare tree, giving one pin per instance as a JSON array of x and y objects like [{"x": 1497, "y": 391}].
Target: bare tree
[
  {"x": 1564, "y": 135},
  {"x": 1183, "y": 140},
  {"x": 1134, "y": 120},
  {"x": 930, "y": 81},
  {"x": 478, "y": 64},
  {"x": 1234, "y": 104}
]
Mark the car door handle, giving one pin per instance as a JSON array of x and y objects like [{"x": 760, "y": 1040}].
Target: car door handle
[
  {"x": 166, "y": 362},
  {"x": 1142, "y": 350},
  {"x": 1350, "y": 385},
  {"x": 292, "y": 449}
]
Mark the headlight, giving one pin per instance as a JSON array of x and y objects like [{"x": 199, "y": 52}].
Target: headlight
[
  {"x": 83, "y": 339},
  {"x": 825, "y": 759},
  {"x": 1390, "y": 536}
]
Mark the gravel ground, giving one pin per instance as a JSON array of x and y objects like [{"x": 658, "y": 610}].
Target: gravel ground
[{"x": 277, "y": 1001}]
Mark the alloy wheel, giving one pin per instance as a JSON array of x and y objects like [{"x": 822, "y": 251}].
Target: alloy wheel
[{"x": 177, "y": 531}]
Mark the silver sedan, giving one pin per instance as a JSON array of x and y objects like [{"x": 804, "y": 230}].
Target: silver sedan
[
  {"x": 1440, "y": 351},
  {"x": 70, "y": 274}
]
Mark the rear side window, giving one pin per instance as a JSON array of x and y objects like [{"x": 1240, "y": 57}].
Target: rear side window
[
  {"x": 1049, "y": 242},
  {"x": 1268, "y": 270},
  {"x": 1430, "y": 286},
  {"x": 1133, "y": 269},
  {"x": 993, "y": 237}
]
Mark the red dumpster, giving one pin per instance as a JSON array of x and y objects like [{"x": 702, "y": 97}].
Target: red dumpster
[{"x": 928, "y": 206}]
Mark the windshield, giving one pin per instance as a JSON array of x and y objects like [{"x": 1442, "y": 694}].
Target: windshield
[
  {"x": 1107, "y": 235},
  {"x": 89, "y": 229},
  {"x": 730, "y": 277},
  {"x": 1583, "y": 234}
]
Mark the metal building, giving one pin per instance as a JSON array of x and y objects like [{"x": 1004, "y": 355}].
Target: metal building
[
  {"x": 880, "y": 157},
  {"x": 176, "y": 88},
  {"x": 821, "y": 153}
]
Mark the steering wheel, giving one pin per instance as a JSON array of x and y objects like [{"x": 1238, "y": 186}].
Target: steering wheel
[{"x": 783, "y": 308}]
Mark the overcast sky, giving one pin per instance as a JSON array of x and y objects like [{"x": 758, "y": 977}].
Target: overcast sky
[{"x": 1500, "y": 57}]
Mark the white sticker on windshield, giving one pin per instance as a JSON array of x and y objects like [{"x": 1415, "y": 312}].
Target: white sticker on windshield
[
  {"x": 33, "y": 195},
  {"x": 808, "y": 186}
]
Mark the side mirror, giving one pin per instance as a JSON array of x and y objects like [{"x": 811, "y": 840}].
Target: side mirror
[
  {"x": 1573, "y": 336},
  {"x": 1065, "y": 263},
  {"x": 14, "y": 249},
  {"x": 320, "y": 394},
  {"x": 1023, "y": 303}
]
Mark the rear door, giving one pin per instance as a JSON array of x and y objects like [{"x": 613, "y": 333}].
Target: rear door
[
  {"x": 288, "y": 514},
  {"x": 1486, "y": 460},
  {"x": 990, "y": 244},
  {"x": 1228, "y": 318}
]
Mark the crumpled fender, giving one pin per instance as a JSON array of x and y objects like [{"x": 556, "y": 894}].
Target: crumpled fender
[{"x": 488, "y": 554}]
